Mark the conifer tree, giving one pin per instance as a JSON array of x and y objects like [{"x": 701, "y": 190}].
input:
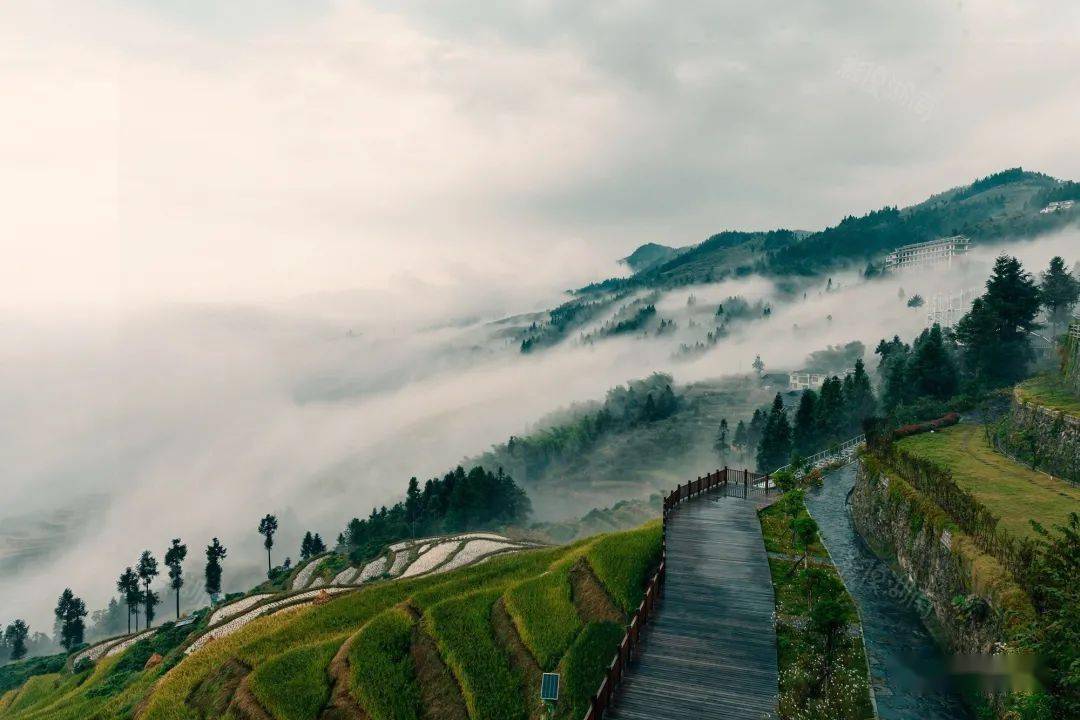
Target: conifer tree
[
  {"x": 804, "y": 435},
  {"x": 215, "y": 553},
  {"x": 15, "y": 636},
  {"x": 930, "y": 369},
  {"x": 70, "y": 611},
  {"x": 1059, "y": 292},
  {"x": 174, "y": 560},
  {"x": 267, "y": 527},
  {"x": 995, "y": 333},
  {"x": 305, "y": 546},
  {"x": 147, "y": 570},
  {"x": 128, "y": 587},
  {"x": 774, "y": 449}
]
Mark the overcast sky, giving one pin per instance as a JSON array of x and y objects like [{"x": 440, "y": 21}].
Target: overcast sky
[{"x": 259, "y": 150}]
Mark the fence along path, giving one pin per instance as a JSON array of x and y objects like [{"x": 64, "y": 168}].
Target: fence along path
[{"x": 709, "y": 652}]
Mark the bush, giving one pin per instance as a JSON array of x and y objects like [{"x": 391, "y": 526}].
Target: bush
[
  {"x": 382, "y": 676},
  {"x": 916, "y": 428}
]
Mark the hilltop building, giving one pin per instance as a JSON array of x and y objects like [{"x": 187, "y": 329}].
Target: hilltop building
[
  {"x": 925, "y": 254},
  {"x": 1057, "y": 206},
  {"x": 806, "y": 380}
]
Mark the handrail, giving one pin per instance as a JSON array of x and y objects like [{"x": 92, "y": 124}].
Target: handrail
[
  {"x": 818, "y": 459},
  {"x": 630, "y": 645}
]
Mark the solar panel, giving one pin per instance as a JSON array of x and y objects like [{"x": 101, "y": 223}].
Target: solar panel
[{"x": 549, "y": 686}]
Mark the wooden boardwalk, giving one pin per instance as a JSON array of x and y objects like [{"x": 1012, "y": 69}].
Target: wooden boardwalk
[{"x": 710, "y": 653}]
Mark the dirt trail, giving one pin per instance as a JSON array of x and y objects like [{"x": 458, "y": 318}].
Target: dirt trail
[
  {"x": 342, "y": 705},
  {"x": 507, "y": 635},
  {"x": 440, "y": 695},
  {"x": 591, "y": 600}
]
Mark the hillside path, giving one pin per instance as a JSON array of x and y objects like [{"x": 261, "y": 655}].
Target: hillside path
[{"x": 711, "y": 651}]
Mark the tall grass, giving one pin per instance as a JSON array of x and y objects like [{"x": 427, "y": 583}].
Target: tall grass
[
  {"x": 584, "y": 666},
  {"x": 381, "y": 670},
  {"x": 294, "y": 685},
  {"x": 462, "y": 630},
  {"x": 543, "y": 612},
  {"x": 623, "y": 562}
]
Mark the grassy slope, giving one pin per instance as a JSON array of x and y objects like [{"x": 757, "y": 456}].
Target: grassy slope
[
  {"x": 1007, "y": 488},
  {"x": 290, "y": 653},
  {"x": 1052, "y": 392}
]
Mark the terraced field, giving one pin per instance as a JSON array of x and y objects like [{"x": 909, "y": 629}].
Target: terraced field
[{"x": 445, "y": 642}]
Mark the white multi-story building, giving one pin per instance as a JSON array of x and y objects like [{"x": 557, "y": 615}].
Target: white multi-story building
[
  {"x": 947, "y": 309},
  {"x": 1058, "y": 206},
  {"x": 933, "y": 252},
  {"x": 806, "y": 380}
]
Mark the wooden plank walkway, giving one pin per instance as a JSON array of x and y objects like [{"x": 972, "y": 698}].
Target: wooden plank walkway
[{"x": 710, "y": 653}]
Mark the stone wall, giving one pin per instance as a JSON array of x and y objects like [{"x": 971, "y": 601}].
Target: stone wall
[
  {"x": 1040, "y": 436},
  {"x": 970, "y": 597},
  {"x": 1071, "y": 364}
]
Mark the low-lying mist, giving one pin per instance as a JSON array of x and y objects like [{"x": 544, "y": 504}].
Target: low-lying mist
[{"x": 195, "y": 421}]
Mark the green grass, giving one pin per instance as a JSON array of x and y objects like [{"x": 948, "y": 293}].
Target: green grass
[
  {"x": 584, "y": 665},
  {"x": 294, "y": 685},
  {"x": 36, "y": 690},
  {"x": 623, "y": 563},
  {"x": 777, "y": 534},
  {"x": 1050, "y": 391},
  {"x": 15, "y": 674},
  {"x": 462, "y": 630},
  {"x": 381, "y": 669},
  {"x": 290, "y": 652},
  {"x": 1010, "y": 490},
  {"x": 544, "y": 614}
]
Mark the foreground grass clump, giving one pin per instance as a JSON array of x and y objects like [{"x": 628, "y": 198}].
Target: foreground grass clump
[
  {"x": 584, "y": 666},
  {"x": 462, "y": 630},
  {"x": 294, "y": 684},
  {"x": 381, "y": 670},
  {"x": 15, "y": 674},
  {"x": 1008, "y": 489},
  {"x": 545, "y": 616},
  {"x": 623, "y": 563}
]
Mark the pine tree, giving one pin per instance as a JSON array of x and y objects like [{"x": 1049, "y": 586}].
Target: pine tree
[
  {"x": 147, "y": 570},
  {"x": 174, "y": 560},
  {"x": 215, "y": 553},
  {"x": 128, "y": 587},
  {"x": 318, "y": 547},
  {"x": 721, "y": 445},
  {"x": 859, "y": 401},
  {"x": 1059, "y": 291},
  {"x": 305, "y": 546},
  {"x": 774, "y": 449},
  {"x": 15, "y": 636},
  {"x": 70, "y": 611},
  {"x": 267, "y": 527},
  {"x": 756, "y": 429},
  {"x": 930, "y": 369},
  {"x": 830, "y": 410},
  {"x": 804, "y": 436},
  {"x": 413, "y": 505},
  {"x": 741, "y": 439},
  {"x": 995, "y": 333}
]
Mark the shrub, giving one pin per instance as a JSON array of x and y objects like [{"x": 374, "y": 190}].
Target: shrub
[
  {"x": 381, "y": 670},
  {"x": 916, "y": 428}
]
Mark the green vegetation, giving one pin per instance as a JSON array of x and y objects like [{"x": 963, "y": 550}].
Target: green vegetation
[
  {"x": 544, "y": 614},
  {"x": 294, "y": 684},
  {"x": 462, "y": 629},
  {"x": 585, "y": 664},
  {"x": 823, "y": 669},
  {"x": 285, "y": 663},
  {"x": 381, "y": 672},
  {"x": 1050, "y": 391},
  {"x": 475, "y": 500},
  {"x": 1011, "y": 491},
  {"x": 624, "y": 562}
]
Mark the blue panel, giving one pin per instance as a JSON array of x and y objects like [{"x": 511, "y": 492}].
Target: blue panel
[{"x": 549, "y": 686}]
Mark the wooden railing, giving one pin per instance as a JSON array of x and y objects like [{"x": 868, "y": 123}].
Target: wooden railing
[{"x": 630, "y": 645}]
